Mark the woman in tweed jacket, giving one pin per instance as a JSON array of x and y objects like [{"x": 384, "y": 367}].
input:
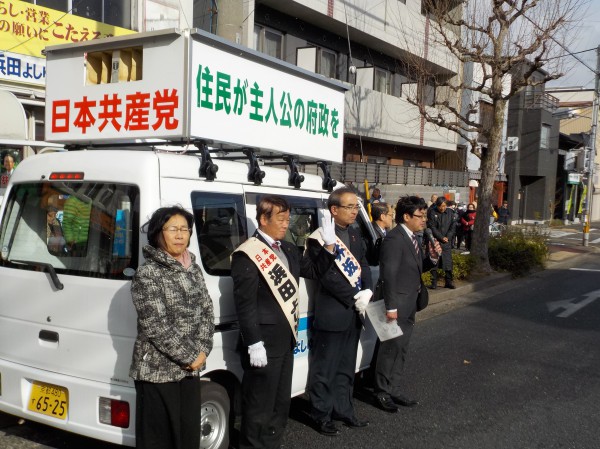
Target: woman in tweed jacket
[{"x": 175, "y": 329}]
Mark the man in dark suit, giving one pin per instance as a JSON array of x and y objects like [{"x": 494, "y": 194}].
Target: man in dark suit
[
  {"x": 401, "y": 264},
  {"x": 265, "y": 273},
  {"x": 344, "y": 292}
]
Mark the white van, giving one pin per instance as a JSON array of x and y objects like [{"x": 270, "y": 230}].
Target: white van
[{"x": 67, "y": 322}]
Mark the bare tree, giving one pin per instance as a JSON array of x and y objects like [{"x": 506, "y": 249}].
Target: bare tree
[{"x": 508, "y": 41}]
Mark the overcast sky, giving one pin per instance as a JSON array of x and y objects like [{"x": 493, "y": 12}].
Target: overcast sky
[{"x": 588, "y": 38}]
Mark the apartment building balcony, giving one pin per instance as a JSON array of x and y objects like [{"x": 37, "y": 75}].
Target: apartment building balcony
[
  {"x": 541, "y": 100},
  {"x": 377, "y": 25},
  {"x": 390, "y": 119}
]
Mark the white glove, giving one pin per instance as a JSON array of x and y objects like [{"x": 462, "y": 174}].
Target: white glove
[
  {"x": 258, "y": 355},
  {"x": 362, "y": 300},
  {"x": 328, "y": 230}
]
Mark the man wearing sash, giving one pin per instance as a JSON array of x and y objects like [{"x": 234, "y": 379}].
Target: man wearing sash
[
  {"x": 265, "y": 271},
  {"x": 344, "y": 292}
]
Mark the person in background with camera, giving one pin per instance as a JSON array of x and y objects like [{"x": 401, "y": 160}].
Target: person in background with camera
[
  {"x": 345, "y": 290},
  {"x": 443, "y": 225},
  {"x": 175, "y": 324},
  {"x": 402, "y": 262},
  {"x": 266, "y": 302}
]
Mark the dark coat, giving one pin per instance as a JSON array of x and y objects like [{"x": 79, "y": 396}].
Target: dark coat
[
  {"x": 400, "y": 271},
  {"x": 334, "y": 302},
  {"x": 259, "y": 315}
]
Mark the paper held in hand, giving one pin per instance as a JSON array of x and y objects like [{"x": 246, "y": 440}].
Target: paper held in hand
[{"x": 385, "y": 330}]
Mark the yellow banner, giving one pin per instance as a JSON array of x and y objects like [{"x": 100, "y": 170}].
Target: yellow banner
[{"x": 27, "y": 29}]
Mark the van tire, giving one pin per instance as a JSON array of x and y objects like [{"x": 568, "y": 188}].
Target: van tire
[{"x": 214, "y": 420}]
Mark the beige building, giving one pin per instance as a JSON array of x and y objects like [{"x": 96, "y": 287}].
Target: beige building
[{"x": 576, "y": 104}]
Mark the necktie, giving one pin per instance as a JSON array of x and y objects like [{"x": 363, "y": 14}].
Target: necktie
[
  {"x": 416, "y": 243},
  {"x": 275, "y": 245}
]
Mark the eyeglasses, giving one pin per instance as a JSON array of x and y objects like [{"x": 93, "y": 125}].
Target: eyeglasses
[
  {"x": 351, "y": 207},
  {"x": 421, "y": 216},
  {"x": 175, "y": 229}
]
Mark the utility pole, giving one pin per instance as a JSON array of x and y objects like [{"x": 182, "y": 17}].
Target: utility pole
[{"x": 592, "y": 150}]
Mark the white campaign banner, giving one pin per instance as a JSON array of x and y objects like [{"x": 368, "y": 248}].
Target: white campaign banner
[{"x": 250, "y": 103}]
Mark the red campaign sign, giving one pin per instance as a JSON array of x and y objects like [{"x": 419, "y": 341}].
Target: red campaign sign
[
  {"x": 4, "y": 180},
  {"x": 135, "y": 112}
]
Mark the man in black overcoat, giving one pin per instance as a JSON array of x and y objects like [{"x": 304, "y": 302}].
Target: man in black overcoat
[{"x": 342, "y": 296}]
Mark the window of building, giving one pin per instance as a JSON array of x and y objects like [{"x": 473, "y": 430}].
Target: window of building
[
  {"x": 545, "y": 136},
  {"x": 397, "y": 80},
  {"x": 381, "y": 81},
  {"x": 327, "y": 63},
  {"x": 427, "y": 93},
  {"x": 268, "y": 41},
  {"x": 77, "y": 228},
  {"x": 220, "y": 228},
  {"x": 112, "y": 12}
]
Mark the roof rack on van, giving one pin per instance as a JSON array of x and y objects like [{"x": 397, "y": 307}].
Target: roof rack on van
[{"x": 208, "y": 168}]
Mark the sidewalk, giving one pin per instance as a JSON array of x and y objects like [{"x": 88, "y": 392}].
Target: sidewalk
[{"x": 441, "y": 299}]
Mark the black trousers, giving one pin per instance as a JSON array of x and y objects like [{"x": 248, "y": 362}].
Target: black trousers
[
  {"x": 266, "y": 398},
  {"x": 390, "y": 362},
  {"x": 331, "y": 373},
  {"x": 168, "y": 414}
]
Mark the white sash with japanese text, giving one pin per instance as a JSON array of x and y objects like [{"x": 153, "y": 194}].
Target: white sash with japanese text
[
  {"x": 345, "y": 261},
  {"x": 281, "y": 282}
]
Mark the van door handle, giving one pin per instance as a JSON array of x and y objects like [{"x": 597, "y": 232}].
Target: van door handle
[{"x": 49, "y": 336}]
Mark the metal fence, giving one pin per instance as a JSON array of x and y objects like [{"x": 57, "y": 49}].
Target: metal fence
[{"x": 357, "y": 172}]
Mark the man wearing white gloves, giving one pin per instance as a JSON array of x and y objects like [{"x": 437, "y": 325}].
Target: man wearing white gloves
[
  {"x": 344, "y": 293},
  {"x": 265, "y": 271}
]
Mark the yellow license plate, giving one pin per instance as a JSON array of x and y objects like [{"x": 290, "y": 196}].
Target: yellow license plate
[{"x": 48, "y": 399}]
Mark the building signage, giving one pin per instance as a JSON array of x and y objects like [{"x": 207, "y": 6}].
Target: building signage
[
  {"x": 574, "y": 178},
  {"x": 223, "y": 95},
  {"x": 27, "y": 29},
  {"x": 22, "y": 69},
  {"x": 276, "y": 110},
  {"x": 151, "y": 107}
]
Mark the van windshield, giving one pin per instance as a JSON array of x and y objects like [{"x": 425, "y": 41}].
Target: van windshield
[{"x": 78, "y": 228}]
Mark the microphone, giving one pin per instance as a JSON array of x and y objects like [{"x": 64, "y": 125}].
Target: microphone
[{"x": 427, "y": 232}]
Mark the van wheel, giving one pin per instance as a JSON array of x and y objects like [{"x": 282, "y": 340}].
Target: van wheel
[{"x": 214, "y": 424}]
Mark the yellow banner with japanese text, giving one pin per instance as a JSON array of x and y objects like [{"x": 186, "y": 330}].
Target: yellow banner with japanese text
[{"x": 27, "y": 29}]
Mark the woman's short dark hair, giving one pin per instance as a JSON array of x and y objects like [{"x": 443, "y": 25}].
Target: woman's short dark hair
[
  {"x": 336, "y": 196},
  {"x": 409, "y": 205},
  {"x": 159, "y": 219},
  {"x": 266, "y": 203}
]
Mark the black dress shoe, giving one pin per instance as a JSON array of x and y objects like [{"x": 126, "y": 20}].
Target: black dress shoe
[
  {"x": 404, "y": 401},
  {"x": 450, "y": 285},
  {"x": 327, "y": 428},
  {"x": 354, "y": 422},
  {"x": 387, "y": 404},
  {"x": 432, "y": 287}
]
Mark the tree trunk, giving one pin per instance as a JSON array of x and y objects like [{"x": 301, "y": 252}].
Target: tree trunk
[{"x": 489, "y": 171}]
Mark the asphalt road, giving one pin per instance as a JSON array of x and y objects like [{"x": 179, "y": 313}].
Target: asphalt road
[{"x": 517, "y": 367}]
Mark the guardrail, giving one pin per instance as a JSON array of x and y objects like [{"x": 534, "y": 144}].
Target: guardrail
[{"x": 357, "y": 172}]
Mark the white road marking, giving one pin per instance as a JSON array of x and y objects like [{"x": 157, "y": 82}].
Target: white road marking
[{"x": 571, "y": 307}]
